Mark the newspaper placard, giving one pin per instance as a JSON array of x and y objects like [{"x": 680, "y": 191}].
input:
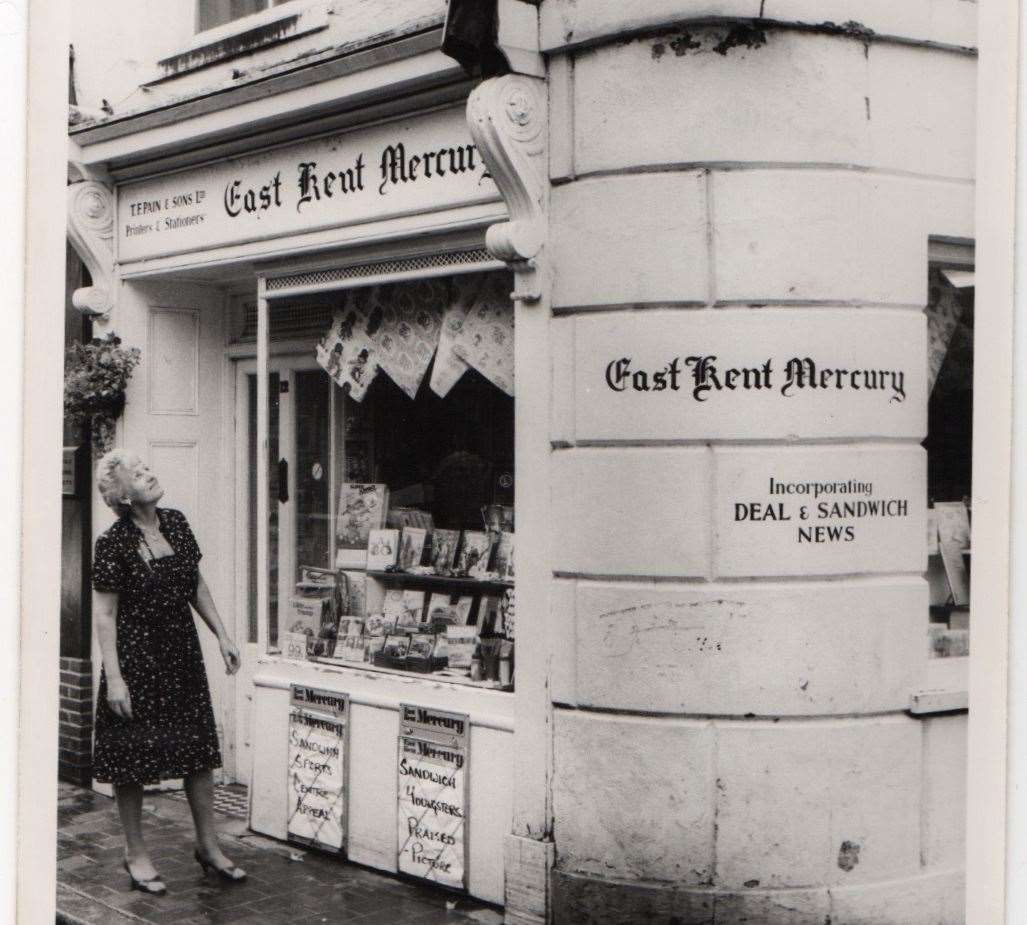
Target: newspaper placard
[
  {"x": 432, "y": 795},
  {"x": 318, "y": 721}
]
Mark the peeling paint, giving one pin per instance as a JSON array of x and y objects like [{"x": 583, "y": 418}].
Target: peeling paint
[
  {"x": 741, "y": 35},
  {"x": 848, "y": 855},
  {"x": 852, "y": 29},
  {"x": 684, "y": 44}
]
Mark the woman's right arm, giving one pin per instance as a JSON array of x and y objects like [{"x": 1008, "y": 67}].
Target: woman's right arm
[{"x": 105, "y": 614}]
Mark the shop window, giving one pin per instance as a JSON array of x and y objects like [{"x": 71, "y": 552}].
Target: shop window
[
  {"x": 391, "y": 462},
  {"x": 950, "y": 321},
  {"x": 213, "y": 13}
]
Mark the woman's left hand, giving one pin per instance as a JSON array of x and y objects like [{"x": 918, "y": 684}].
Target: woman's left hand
[{"x": 231, "y": 656}]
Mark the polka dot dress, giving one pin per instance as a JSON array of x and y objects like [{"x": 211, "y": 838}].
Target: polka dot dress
[{"x": 172, "y": 731}]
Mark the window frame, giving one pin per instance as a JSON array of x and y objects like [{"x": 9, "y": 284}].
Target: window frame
[
  {"x": 231, "y": 26},
  {"x": 945, "y": 686},
  {"x": 266, "y": 351}
]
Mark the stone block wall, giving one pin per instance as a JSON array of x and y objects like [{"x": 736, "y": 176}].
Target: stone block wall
[
  {"x": 732, "y": 669},
  {"x": 75, "y": 725}
]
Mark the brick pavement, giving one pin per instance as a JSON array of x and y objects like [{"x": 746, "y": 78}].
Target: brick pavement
[{"x": 284, "y": 884}]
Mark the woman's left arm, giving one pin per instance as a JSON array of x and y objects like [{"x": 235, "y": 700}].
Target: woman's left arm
[{"x": 203, "y": 604}]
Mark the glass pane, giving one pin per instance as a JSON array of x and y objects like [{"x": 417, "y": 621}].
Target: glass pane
[
  {"x": 273, "y": 401},
  {"x": 950, "y": 320},
  {"x": 433, "y": 477},
  {"x": 313, "y": 467},
  {"x": 213, "y": 13}
]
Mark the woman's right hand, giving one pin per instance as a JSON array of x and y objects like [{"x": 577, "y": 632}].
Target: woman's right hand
[{"x": 118, "y": 699}]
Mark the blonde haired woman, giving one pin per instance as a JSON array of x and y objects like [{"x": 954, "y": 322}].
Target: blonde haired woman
[{"x": 154, "y": 718}]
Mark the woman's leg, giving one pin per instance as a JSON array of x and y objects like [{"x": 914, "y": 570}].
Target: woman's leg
[
  {"x": 199, "y": 788},
  {"x": 130, "y": 808}
]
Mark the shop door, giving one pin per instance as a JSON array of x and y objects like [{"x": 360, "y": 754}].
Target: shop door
[{"x": 298, "y": 505}]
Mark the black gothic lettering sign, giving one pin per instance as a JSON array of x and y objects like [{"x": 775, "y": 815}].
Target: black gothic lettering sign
[{"x": 388, "y": 171}]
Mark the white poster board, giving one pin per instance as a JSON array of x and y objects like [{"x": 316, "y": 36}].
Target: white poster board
[
  {"x": 432, "y": 795},
  {"x": 318, "y": 724}
]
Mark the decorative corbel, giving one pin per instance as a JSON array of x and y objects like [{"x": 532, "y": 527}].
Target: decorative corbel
[
  {"x": 508, "y": 118},
  {"x": 91, "y": 233}
]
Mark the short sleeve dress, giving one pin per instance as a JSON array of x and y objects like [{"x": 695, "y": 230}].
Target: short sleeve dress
[{"x": 172, "y": 731}]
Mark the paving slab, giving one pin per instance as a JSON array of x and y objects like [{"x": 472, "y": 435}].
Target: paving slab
[{"x": 285, "y": 883}]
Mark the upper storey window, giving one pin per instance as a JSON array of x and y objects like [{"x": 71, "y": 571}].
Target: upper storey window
[{"x": 213, "y": 13}]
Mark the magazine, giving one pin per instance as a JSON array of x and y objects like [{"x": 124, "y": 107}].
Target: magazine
[
  {"x": 382, "y": 549},
  {"x": 362, "y": 508},
  {"x": 411, "y": 547},
  {"x": 475, "y": 548},
  {"x": 444, "y": 545}
]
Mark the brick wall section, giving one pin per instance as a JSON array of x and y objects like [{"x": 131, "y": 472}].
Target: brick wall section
[{"x": 75, "y": 726}]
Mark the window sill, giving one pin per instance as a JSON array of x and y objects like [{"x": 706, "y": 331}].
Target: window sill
[
  {"x": 242, "y": 37},
  {"x": 387, "y": 688},
  {"x": 946, "y": 683}
]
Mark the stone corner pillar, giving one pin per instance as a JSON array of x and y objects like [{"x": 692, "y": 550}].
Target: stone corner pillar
[{"x": 739, "y": 394}]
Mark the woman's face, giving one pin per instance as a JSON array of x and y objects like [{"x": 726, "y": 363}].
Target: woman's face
[{"x": 139, "y": 484}]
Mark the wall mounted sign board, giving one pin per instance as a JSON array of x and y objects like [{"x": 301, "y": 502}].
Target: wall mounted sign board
[
  {"x": 432, "y": 795},
  {"x": 69, "y": 472},
  {"x": 830, "y": 510},
  {"x": 318, "y": 743},
  {"x": 743, "y": 374},
  {"x": 389, "y": 170}
]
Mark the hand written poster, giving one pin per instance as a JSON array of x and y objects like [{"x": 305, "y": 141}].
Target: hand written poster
[
  {"x": 432, "y": 794},
  {"x": 318, "y": 720}
]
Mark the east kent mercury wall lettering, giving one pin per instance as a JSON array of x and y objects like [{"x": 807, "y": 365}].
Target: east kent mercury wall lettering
[{"x": 704, "y": 376}]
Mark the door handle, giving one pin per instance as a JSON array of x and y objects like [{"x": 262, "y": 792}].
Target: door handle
[{"x": 283, "y": 480}]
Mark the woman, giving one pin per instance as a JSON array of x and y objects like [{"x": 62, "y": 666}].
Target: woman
[{"x": 154, "y": 718}]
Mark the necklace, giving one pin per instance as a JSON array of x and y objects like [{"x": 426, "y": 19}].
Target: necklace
[{"x": 147, "y": 533}]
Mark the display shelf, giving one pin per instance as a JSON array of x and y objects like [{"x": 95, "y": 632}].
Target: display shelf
[
  {"x": 442, "y": 675},
  {"x": 439, "y": 581}
]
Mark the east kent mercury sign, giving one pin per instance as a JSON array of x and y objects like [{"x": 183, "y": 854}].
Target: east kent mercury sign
[{"x": 393, "y": 169}]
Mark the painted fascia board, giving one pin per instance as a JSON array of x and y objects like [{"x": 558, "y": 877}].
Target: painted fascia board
[{"x": 321, "y": 93}]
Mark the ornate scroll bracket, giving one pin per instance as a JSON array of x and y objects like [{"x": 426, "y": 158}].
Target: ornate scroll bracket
[
  {"x": 91, "y": 233},
  {"x": 508, "y": 118}
]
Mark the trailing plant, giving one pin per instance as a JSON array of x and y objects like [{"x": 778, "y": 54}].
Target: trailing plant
[{"x": 96, "y": 374}]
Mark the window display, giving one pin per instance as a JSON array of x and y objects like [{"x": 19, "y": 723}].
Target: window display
[{"x": 393, "y": 510}]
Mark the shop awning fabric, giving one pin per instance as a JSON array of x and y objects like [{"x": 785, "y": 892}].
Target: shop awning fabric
[{"x": 396, "y": 328}]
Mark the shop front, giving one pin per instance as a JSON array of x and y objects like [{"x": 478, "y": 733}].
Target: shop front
[
  {"x": 329, "y": 394},
  {"x": 683, "y": 378}
]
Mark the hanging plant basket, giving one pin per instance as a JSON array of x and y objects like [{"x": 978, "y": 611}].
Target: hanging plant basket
[{"x": 95, "y": 377}]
